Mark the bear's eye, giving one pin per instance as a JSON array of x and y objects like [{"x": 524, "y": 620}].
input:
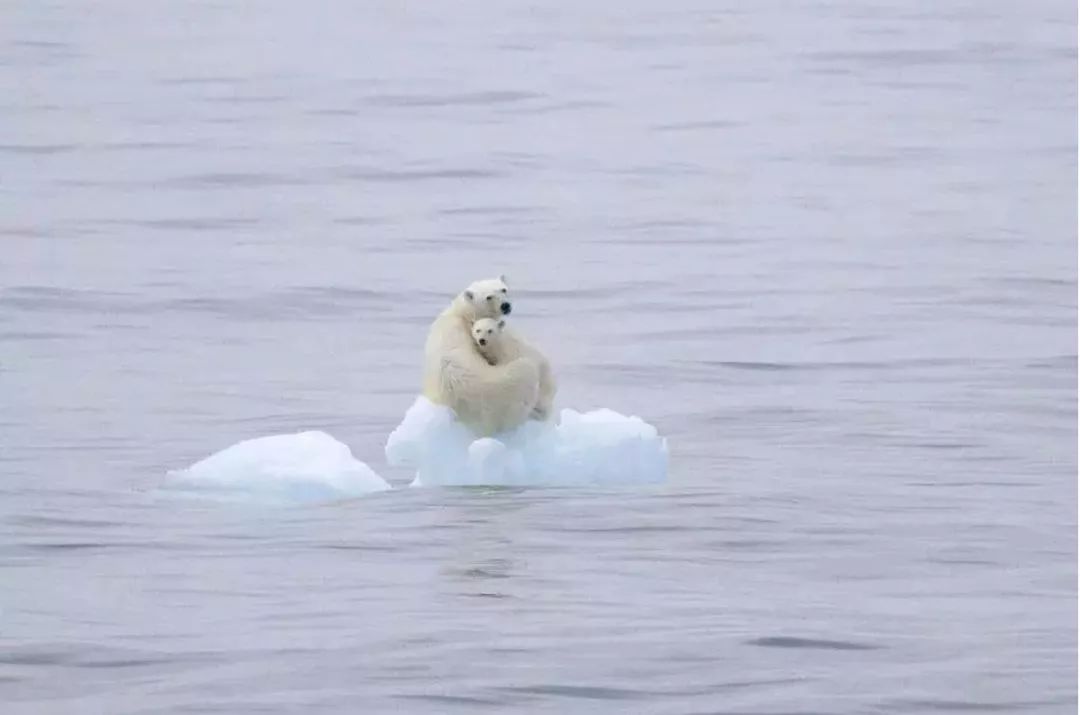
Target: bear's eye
[
  {"x": 503, "y": 290},
  {"x": 491, "y": 297}
]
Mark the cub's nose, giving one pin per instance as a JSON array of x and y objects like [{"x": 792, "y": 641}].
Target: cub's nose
[
  {"x": 505, "y": 308},
  {"x": 483, "y": 341}
]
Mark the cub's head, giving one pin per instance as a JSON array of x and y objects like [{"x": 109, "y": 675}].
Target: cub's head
[
  {"x": 486, "y": 331},
  {"x": 489, "y": 298}
]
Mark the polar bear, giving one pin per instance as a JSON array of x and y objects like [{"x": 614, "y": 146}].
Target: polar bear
[
  {"x": 487, "y": 398},
  {"x": 500, "y": 345}
]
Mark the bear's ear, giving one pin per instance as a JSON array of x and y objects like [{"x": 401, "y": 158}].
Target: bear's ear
[
  {"x": 502, "y": 324},
  {"x": 468, "y": 295},
  {"x": 503, "y": 279}
]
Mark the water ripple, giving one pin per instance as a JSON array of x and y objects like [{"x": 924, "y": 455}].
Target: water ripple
[
  {"x": 450, "y": 100},
  {"x": 810, "y": 643}
]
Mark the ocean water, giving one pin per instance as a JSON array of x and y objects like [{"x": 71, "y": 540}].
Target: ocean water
[{"x": 827, "y": 248}]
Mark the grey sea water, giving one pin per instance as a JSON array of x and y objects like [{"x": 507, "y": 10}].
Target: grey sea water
[{"x": 827, "y": 248}]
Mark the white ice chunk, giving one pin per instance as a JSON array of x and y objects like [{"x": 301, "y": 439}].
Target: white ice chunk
[
  {"x": 601, "y": 447},
  {"x": 301, "y": 467}
]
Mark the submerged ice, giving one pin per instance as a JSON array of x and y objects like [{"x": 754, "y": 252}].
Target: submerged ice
[{"x": 601, "y": 448}]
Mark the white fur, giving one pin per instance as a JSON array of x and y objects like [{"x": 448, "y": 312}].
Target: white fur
[
  {"x": 487, "y": 398},
  {"x": 502, "y": 345}
]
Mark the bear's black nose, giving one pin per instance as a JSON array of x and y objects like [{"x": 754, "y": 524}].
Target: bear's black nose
[
  {"x": 505, "y": 308},
  {"x": 483, "y": 341}
]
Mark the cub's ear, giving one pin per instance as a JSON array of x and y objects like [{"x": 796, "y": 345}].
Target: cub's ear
[
  {"x": 502, "y": 324},
  {"x": 468, "y": 295},
  {"x": 503, "y": 279}
]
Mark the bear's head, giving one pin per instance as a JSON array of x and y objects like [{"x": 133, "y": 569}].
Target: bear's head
[
  {"x": 486, "y": 331},
  {"x": 488, "y": 298}
]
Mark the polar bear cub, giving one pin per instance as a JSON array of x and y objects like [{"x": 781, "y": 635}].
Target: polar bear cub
[{"x": 500, "y": 345}]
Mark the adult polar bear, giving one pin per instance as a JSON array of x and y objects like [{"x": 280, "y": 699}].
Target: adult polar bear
[{"x": 487, "y": 398}]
